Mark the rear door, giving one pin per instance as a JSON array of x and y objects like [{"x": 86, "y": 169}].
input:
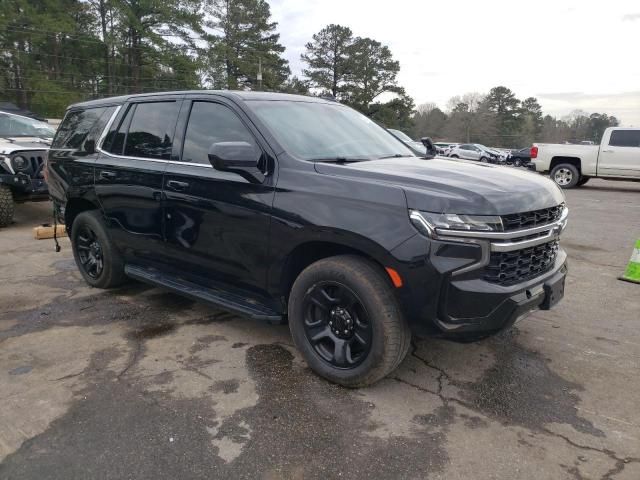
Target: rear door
[
  {"x": 467, "y": 152},
  {"x": 73, "y": 152},
  {"x": 128, "y": 174},
  {"x": 620, "y": 153},
  {"x": 217, "y": 223}
]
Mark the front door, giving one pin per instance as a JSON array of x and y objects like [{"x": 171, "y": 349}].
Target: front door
[
  {"x": 128, "y": 176},
  {"x": 620, "y": 153},
  {"x": 217, "y": 223}
]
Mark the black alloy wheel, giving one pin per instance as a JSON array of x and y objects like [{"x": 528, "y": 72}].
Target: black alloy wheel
[
  {"x": 90, "y": 252},
  {"x": 337, "y": 325}
]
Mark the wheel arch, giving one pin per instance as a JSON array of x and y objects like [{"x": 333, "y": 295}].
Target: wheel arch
[
  {"x": 558, "y": 160},
  {"x": 304, "y": 254},
  {"x": 74, "y": 207}
]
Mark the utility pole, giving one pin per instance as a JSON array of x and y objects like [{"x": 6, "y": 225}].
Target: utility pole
[{"x": 259, "y": 76}]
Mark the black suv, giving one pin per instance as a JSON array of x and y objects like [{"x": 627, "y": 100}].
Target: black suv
[{"x": 283, "y": 207}]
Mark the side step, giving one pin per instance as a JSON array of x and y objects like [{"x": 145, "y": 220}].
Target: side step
[{"x": 239, "y": 304}]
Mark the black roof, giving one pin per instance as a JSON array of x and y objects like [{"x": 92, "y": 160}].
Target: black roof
[{"x": 233, "y": 94}]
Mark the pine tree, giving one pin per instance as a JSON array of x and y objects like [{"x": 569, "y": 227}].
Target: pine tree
[
  {"x": 328, "y": 57},
  {"x": 372, "y": 71},
  {"x": 244, "y": 43}
]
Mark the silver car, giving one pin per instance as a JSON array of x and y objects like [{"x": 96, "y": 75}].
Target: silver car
[{"x": 475, "y": 151}]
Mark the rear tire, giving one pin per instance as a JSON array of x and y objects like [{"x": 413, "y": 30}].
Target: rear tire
[
  {"x": 454, "y": 156},
  {"x": 99, "y": 262},
  {"x": 517, "y": 162},
  {"x": 346, "y": 321},
  {"x": 6, "y": 206},
  {"x": 565, "y": 175}
]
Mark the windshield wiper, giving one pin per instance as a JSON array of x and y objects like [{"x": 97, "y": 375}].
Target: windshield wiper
[{"x": 394, "y": 155}]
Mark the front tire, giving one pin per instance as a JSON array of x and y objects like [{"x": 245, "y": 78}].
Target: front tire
[
  {"x": 582, "y": 181},
  {"x": 565, "y": 175},
  {"x": 346, "y": 321},
  {"x": 484, "y": 160},
  {"x": 99, "y": 262},
  {"x": 6, "y": 206}
]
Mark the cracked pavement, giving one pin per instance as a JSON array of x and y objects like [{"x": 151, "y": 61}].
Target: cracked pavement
[{"x": 141, "y": 383}]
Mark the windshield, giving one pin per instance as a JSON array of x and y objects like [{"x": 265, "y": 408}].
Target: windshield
[
  {"x": 401, "y": 135},
  {"x": 325, "y": 131},
  {"x": 18, "y": 126}
]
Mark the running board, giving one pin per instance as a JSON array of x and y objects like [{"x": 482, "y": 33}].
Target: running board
[{"x": 239, "y": 304}]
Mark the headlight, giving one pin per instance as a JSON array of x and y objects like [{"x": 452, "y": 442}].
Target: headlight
[
  {"x": 427, "y": 222},
  {"x": 20, "y": 163}
]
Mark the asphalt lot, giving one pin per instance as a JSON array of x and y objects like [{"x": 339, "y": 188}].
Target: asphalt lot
[{"x": 140, "y": 383}]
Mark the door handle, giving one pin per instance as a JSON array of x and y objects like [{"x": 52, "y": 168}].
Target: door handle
[
  {"x": 107, "y": 175},
  {"x": 607, "y": 151},
  {"x": 177, "y": 186}
]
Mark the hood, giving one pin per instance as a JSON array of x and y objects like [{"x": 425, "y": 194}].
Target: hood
[
  {"x": 457, "y": 186},
  {"x": 9, "y": 145}
]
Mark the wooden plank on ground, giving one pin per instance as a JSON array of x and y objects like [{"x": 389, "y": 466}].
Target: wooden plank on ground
[{"x": 46, "y": 231}]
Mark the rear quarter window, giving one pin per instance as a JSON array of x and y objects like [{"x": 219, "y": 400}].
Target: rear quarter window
[{"x": 80, "y": 129}]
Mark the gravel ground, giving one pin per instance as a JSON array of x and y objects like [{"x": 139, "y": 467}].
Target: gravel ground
[{"x": 140, "y": 383}]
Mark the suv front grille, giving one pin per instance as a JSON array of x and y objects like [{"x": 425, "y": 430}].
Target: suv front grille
[
  {"x": 508, "y": 268},
  {"x": 516, "y": 221},
  {"x": 36, "y": 161}
]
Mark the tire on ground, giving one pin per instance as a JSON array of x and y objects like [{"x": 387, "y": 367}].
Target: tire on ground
[
  {"x": 582, "y": 181},
  {"x": 112, "y": 274},
  {"x": 391, "y": 333},
  {"x": 575, "y": 174},
  {"x": 6, "y": 206}
]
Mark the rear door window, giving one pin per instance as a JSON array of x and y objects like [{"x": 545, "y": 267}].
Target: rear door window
[
  {"x": 150, "y": 134},
  {"x": 81, "y": 129},
  {"x": 625, "y": 138},
  {"x": 210, "y": 123}
]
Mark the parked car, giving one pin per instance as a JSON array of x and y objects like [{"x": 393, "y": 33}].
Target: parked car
[
  {"x": 616, "y": 158},
  {"x": 519, "y": 158},
  {"x": 475, "y": 151},
  {"x": 416, "y": 147},
  {"x": 291, "y": 208},
  {"x": 447, "y": 151},
  {"x": 442, "y": 147},
  {"x": 24, "y": 143}
]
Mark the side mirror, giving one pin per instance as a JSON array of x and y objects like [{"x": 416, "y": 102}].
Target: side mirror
[
  {"x": 237, "y": 157},
  {"x": 431, "y": 149}
]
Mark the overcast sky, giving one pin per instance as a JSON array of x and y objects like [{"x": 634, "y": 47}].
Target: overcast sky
[{"x": 569, "y": 54}]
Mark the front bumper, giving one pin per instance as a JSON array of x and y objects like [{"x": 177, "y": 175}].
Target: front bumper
[
  {"x": 476, "y": 306},
  {"x": 451, "y": 286},
  {"x": 23, "y": 185}
]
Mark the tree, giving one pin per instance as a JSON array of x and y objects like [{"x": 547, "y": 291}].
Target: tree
[
  {"x": 328, "y": 59},
  {"x": 372, "y": 71},
  {"x": 295, "y": 85},
  {"x": 503, "y": 103},
  {"x": 396, "y": 113},
  {"x": 598, "y": 122},
  {"x": 429, "y": 121},
  {"x": 469, "y": 119},
  {"x": 245, "y": 44}
]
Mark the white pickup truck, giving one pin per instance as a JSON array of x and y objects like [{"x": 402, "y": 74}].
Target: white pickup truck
[{"x": 616, "y": 158}]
